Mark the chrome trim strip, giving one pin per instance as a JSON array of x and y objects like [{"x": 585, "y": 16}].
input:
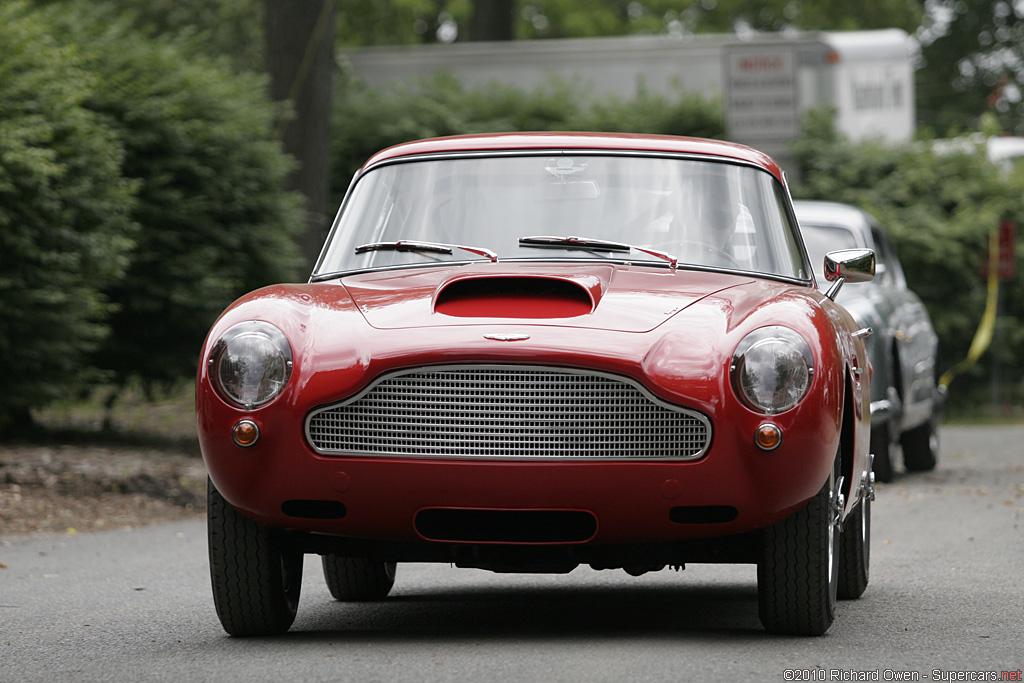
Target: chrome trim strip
[
  {"x": 575, "y": 261},
  {"x": 558, "y": 151},
  {"x": 531, "y": 414}
]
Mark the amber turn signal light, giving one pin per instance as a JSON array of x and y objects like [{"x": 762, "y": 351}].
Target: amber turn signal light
[
  {"x": 245, "y": 433},
  {"x": 768, "y": 437}
]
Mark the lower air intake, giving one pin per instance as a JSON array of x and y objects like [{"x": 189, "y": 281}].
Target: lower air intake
[{"x": 506, "y": 526}]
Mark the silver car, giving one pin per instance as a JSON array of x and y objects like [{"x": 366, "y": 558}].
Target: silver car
[{"x": 903, "y": 347}]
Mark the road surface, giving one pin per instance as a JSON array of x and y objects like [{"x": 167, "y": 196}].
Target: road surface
[{"x": 945, "y": 602}]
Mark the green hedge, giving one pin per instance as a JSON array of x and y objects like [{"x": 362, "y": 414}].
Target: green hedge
[
  {"x": 141, "y": 191},
  {"x": 940, "y": 208},
  {"x": 66, "y": 226},
  {"x": 214, "y": 218}
]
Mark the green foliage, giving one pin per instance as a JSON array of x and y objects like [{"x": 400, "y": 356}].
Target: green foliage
[
  {"x": 391, "y": 22},
  {"x": 368, "y": 120},
  {"x": 832, "y": 15},
  {"x": 215, "y": 221},
  {"x": 65, "y": 217},
  {"x": 231, "y": 28},
  {"x": 684, "y": 114},
  {"x": 398, "y": 22},
  {"x": 217, "y": 28},
  {"x": 971, "y": 53},
  {"x": 141, "y": 190},
  {"x": 573, "y": 19},
  {"x": 940, "y": 208}
]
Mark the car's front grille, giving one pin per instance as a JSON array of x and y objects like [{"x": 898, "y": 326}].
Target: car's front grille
[{"x": 508, "y": 412}]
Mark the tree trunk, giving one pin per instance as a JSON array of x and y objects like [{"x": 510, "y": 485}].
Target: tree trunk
[
  {"x": 492, "y": 20},
  {"x": 299, "y": 57}
]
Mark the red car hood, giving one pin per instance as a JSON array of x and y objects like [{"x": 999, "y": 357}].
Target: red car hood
[
  {"x": 593, "y": 296},
  {"x": 674, "y": 331}
]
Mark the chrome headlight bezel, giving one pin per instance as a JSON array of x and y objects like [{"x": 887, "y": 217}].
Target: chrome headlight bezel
[
  {"x": 250, "y": 364},
  {"x": 772, "y": 370}
]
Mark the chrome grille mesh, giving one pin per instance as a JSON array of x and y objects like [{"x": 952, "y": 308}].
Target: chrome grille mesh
[{"x": 508, "y": 412}]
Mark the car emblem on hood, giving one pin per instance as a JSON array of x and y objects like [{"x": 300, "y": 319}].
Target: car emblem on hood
[{"x": 506, "y": 336}]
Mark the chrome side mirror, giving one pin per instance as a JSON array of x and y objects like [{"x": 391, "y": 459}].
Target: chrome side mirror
[{"x": 853, "y": 265}]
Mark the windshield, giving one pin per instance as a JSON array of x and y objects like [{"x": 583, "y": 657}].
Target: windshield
[{"x": 703, "y": 213}]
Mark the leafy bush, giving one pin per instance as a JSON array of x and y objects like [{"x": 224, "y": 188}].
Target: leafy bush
[
  {"x": 368, "y": 120},
  {"x": 228, "y": 28},
  {"x": 940, "y": 208},
  {"x": 215, "y": 219},
  {"x": 65, "y": 217},
  {"x": 687, "y": 114}
]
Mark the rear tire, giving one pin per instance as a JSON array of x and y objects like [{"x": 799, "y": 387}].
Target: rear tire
[
  {"x": 355, "y": 579},
  {"x": 855, "y": 552},
  {"x": 921, "y": 447},
  {"x": 256, "y": 577},
  {"x": 798, "y": 572},
  {"x": 882, "y": 448}
]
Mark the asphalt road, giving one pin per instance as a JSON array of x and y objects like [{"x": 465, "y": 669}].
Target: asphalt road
[{"x": 946, "y": 600}]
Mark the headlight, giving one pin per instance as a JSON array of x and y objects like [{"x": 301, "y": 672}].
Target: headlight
[
  {"x": 772, "y": 369},
  {"x": 251, "y": 363}
]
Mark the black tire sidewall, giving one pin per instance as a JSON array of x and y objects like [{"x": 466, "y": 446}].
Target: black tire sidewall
[
  {"x": 797, "y": 580},
  {"x": 256, "y": 578}
]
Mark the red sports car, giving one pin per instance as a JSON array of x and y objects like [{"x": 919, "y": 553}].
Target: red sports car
[{"x": 528, "y": 352}]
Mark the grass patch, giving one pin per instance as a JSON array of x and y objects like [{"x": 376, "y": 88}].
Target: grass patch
[{"x": 164, "y": 421}]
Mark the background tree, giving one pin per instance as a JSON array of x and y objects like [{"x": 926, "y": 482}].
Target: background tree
[
  {"x": 299, "y": 56},
  {"x": 578, "y": 18},
  {"x": 493, "y": 20},
  {"x": 972, "y": 61},
  {"x": 402, "y": 22},
  {"x": 293, "y": 40},
  {"x": 215, "y": 220},
  {"x": 65, "y": 218},
  {"x": 215, "y": 28}
]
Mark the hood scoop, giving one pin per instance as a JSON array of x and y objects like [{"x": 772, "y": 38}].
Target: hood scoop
[
  {"x": 514, "y": 297},
  {"x": 575, "y": 295}
]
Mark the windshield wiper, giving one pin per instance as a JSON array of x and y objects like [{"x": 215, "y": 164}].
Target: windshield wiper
[
  {"x": 591, "y": 244},
  {"x": 429, "y": 247}
]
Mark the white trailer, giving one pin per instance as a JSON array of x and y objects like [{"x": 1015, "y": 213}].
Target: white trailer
[{"x": 765, "y": 82}]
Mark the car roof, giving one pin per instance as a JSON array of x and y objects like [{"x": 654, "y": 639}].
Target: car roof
[
  {"x": 617, "y": 142},
  {"x": 831, "y": 213}
]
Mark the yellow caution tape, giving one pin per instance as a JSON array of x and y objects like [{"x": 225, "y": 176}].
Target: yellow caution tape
[{"x": 983, "y": 337}]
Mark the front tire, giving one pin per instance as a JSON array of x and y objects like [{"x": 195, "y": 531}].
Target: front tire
[
  {"x": 354, "y": 579},
  {"x": 798, "y": 572},
  {"x": 256, "y": 577}
]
